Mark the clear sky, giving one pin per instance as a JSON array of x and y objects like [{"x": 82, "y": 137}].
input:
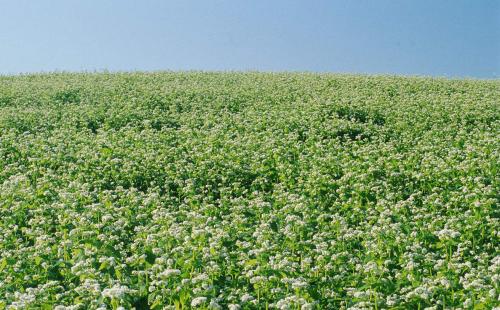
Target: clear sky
[{"x": 453, "y": 38}]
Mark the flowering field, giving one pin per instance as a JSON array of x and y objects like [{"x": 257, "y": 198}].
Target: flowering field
[{"x": 248, "y": 191}]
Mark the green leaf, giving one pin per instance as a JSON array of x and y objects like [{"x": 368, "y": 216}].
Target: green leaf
[
  {"x": 156, "y": 304},
  {"x": 251, "y": 262},
  {"x": 3, "y": 264},
  {"x": 45, "y": 307},
  {"x": 38, "y": 260},
  {"x": 104, "y": 265}
]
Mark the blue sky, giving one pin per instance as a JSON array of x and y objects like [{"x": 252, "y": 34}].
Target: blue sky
[{"x": 419, "y": 37}]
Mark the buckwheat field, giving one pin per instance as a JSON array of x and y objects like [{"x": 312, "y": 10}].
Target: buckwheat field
[{"x": 248, "y": 191}]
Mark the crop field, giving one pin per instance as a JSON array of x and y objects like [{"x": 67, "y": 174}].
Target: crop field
[{"x": 248, "y": 191}]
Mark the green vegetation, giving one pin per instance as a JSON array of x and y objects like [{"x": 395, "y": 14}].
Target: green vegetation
[{"x": 248, "y": 191}]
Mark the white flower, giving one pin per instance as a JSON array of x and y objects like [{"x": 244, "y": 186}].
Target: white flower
[
  {"x": 198, "y": 301},
  {"x": 170, "y": 273},
  {"x": 116, "y": 292},
  {"x": 246, "y": 298},
  {"x": 214, "y": 305}
]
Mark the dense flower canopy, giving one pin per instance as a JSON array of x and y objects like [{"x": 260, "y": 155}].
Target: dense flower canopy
[{"x": 248, "y": 191}]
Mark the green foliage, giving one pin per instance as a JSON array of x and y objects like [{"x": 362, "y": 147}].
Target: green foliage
[{"x": 248, "y": 191}]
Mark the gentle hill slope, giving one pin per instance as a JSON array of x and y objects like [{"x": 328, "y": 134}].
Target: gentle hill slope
[{"x": 248, "y": 190}]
